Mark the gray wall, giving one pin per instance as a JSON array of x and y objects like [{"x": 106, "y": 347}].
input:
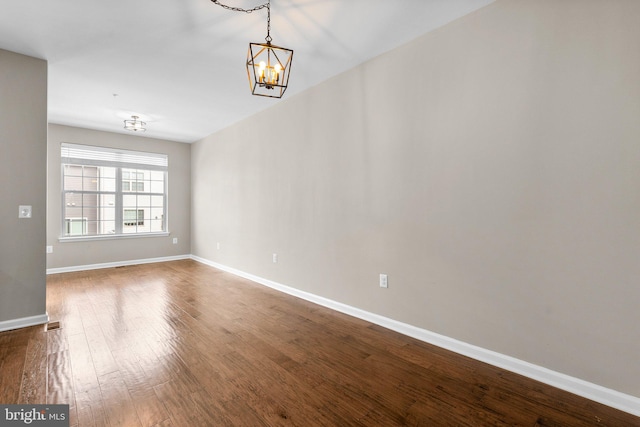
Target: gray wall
[
  {"x": 23, "y": 147},
  {"x": 490, "y": 168},
  {"x": 72, "y": 254}
]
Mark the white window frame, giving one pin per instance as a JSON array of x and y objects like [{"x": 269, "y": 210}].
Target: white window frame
[{"x": 95, "y": 156}]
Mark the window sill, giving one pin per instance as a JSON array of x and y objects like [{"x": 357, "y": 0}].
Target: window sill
[{"x": 112, "y": 237}]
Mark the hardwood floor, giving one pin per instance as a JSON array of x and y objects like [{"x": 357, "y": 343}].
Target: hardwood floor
[{"x": 182, "y": 344}]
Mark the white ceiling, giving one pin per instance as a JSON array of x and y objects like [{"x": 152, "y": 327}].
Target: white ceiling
[{"x": 179, "y": 65}]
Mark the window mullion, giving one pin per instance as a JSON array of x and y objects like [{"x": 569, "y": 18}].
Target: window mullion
[
  {"x": 63, "y": 202},
  {"x": 165, "y": 203},
  {"x": 119, "y": 201}
]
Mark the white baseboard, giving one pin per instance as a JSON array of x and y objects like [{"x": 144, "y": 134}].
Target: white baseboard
[
  {"x": 23, "y": 322},
  {"x": 606, "y": 396},
  {"x": 115, "y": 264}
]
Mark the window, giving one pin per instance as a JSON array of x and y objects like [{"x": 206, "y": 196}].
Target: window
[{"x": 112, "y": 192}]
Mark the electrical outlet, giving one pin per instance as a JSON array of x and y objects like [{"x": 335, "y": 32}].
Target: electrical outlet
[
  {"x": 275, "y": 258},
  {"x": 49, "y": 249},
  {"x": 384, "y": 282},
  {"x": 175, "y": 240}
]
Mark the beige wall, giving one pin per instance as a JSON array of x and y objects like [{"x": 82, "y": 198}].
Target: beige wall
[
  {"x": 71, "y": 254},
  {"x": 23, "y": 145},
  {"x": 490, "y": 168}
]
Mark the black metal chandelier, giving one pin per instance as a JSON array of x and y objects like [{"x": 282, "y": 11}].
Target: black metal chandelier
[{"x": 268, "y": 66}]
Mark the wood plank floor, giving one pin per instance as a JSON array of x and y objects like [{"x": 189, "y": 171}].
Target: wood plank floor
[{"x": 182, "y": 344}]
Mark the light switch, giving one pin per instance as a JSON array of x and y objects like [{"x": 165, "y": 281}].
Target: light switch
[{"x": 24, "y": 211}]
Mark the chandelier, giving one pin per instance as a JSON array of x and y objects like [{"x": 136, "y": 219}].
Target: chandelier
[
  {"x": 135, "y": 125},
  {"x": 268, "y": 66}
]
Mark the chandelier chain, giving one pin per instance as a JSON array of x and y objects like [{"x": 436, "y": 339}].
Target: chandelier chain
[{"x": 266, "y": 5}]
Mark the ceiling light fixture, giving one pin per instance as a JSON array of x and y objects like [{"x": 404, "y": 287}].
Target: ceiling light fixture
[
  {"x": 135, "y": 125},
  {"x": 268, "y": 66}
]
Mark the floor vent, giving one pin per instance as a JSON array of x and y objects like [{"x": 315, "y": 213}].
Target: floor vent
[{"x": 53, "y": 325}]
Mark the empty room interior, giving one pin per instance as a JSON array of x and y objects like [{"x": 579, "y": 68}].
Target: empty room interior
[{"x": 320, "y": 212}]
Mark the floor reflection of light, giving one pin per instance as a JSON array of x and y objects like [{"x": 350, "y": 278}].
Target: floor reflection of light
[
  {"x": 151, "y": 307},
  {"x": 124, "y": 327},
  {"x": 138, "y": 319}
]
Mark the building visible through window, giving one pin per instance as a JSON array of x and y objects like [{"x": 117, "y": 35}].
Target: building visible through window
[
  {"x": 133, "y": 217},
  {"x": 132, "y": 181},
  {"x": 112, "y": 192}
]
